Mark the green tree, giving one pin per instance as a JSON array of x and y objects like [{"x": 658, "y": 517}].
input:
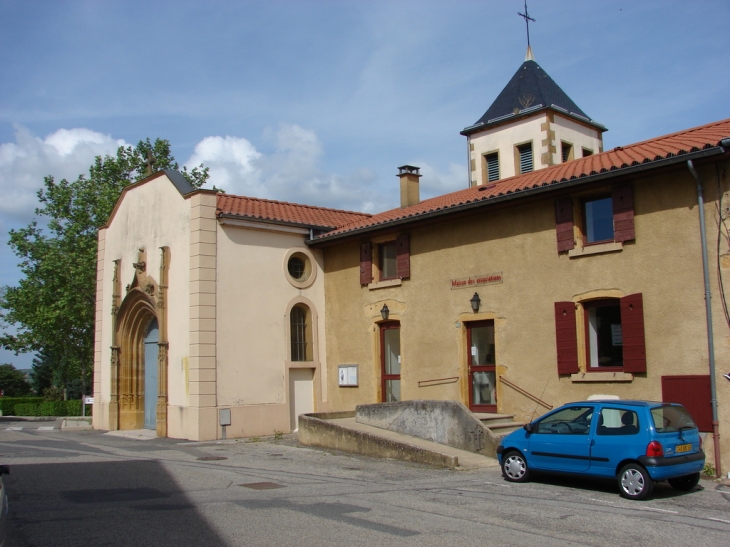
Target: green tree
[
  {"x": 52, "y": 308},
  {"x": 41, "y": 377},
  {"x": 12, "y": 382}
]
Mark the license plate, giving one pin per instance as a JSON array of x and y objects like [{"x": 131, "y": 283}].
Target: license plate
[{"x": 683, "y": 448}]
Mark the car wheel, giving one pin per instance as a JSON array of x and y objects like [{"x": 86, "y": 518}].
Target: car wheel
[
  {"x": 514, "y": 467},
  {"x": 634, "y": 482},
  {"x": 685, "y": 482}
]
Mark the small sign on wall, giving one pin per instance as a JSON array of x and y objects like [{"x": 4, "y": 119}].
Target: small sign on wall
[
  {"x": 348, "y": 376},
  {"x": 477, "y": 280}
]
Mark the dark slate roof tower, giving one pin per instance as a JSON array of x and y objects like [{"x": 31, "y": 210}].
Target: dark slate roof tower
[{"x": 532, "y": 124}]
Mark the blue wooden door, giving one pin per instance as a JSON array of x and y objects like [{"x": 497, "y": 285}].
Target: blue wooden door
[{"x": 151, "y": 350}]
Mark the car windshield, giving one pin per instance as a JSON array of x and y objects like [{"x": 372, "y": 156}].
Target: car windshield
[
  {"x": 574, "y": 420},
  {"x": 669, "y": 418}
]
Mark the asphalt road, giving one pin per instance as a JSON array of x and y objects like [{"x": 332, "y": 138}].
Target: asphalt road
[{"x": 89, "y": 489}]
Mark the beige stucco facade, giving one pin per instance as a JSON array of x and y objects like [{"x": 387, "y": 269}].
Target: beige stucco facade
[
  {"x": 516, "y": 243},
  {"x": 546, "y": 130},
  {"x": 221, "y": 294}
]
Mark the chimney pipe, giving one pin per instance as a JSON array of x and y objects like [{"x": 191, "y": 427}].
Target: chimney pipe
[{"x": 409, "y": 188}]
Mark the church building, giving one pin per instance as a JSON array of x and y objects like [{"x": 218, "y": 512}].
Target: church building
[{"x": 209, "y": 317}]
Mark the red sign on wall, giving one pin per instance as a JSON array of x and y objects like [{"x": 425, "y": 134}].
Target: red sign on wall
[{"x": 476, "y": 280}]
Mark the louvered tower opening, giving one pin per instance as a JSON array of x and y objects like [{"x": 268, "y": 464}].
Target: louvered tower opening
[
  {"x": 492, "y": 167},
  {"x": 525, "y": 152}
]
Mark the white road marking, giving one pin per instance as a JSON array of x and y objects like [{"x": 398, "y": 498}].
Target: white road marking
[
  {"x": 719, "y": 520},
  {"x": 46, "y": 428},
  {"x": 14, "y": 428}
]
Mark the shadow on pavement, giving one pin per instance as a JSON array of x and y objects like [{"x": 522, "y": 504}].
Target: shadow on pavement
[
  {"x": 101, "y": 504},
  {"x": 662, "y": 490}
]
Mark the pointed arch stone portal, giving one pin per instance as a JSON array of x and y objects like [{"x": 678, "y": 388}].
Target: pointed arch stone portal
[{"x": 139, "y": 353}]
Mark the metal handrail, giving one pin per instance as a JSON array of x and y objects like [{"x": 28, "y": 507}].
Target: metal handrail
[
  {"x": 438, "y": 381},
  {"x": 525, "y": 393}
]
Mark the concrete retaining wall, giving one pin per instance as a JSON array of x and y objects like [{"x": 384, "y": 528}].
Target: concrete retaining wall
[
  {"x": 444, "y": 422},
  {"x": 315, "y": 430}
]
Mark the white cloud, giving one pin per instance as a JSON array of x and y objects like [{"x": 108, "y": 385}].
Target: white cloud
[
  {"x": 231, "y": 161},
  {"x": 67, "y": 153},
  {"x": 290, "y": 173}
]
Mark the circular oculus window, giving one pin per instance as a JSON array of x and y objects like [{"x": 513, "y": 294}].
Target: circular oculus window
[{"x": 298, "y": 268}]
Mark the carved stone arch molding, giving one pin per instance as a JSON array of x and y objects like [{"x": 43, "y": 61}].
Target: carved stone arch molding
[{"x": 145, "y": 302}]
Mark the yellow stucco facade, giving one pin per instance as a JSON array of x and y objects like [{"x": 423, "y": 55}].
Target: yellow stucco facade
[{"x": 513, "y": 247}]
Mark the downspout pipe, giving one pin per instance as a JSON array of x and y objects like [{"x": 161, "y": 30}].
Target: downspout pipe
[{"x": 708, "y": 310}]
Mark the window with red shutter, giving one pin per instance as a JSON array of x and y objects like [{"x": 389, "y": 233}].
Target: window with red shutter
[
  {"x": 632, "y": 327},
  {"x": 564, "y": 224},
  {"x": 623, "y": 213},
  {"x": 566, "y": 337},
  {"x": 403, "y": 256},
  {"x": 366, "y": 263},
  {"x": 603, "y": 219},
  {"x": 693, "y": 392}
]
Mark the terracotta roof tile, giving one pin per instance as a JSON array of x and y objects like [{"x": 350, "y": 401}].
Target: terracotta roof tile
[
  {"x": 683, "y": 142},
  {"x": 281, "y": 211}
]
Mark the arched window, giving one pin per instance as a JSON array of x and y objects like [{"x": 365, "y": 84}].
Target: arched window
[{"x": 301, "y": 333}]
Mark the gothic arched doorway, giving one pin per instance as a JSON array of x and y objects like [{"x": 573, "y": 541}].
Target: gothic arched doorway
[{"x": 138, "y": 372}]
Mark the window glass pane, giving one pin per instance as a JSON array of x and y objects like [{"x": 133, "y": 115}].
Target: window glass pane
[
  {"x": 482, "y": 346},
  {"x": 392, "y": 391},
  {"x": 298, "y": 318},
  {"x": 614, "y": 421},
  {"x": 387, "y": 260},
  {"x": 605, "y": 340},
  {"x": 670, "y": 418},
  {"x": 483, "y": 387},
  {"x": 391, "y": 343},
  {"x": 296, "y": 268},
  {"x": 569, "y": 421},
  {"x": 599, "y": 220}
]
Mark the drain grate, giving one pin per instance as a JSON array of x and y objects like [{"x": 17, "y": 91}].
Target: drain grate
[
  {"x": 262, "y": 485},
  {"x": 211, "y": 458}
]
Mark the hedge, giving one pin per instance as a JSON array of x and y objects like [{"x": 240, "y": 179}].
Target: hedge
[
  {"x": 7, "y": 404},
  {"x": 50, "y": 408}
]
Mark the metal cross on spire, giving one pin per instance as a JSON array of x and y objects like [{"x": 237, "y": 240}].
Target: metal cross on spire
[{"x": 527, "y": 18}]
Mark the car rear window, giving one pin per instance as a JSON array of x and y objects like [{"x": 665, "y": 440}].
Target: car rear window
[{"x": 670, "y": 418}]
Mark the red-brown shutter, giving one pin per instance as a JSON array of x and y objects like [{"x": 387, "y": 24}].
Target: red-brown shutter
[
  {"x": 564, "y": 224},
  {"x": 566, "y": 337},
  {"x": 366, "y": 263},
  {"x": 623, "y": 213},
  {"x": 632, "y": 331},
  {"x": 403, "y": 256},
  {"x": 693, "y": 392}
]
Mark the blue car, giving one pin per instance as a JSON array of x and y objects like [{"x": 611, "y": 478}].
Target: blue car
[{"x": 635, "y": 442}]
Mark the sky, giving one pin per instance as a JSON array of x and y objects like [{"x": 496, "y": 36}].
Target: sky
[{"x": 319, "y": 102}]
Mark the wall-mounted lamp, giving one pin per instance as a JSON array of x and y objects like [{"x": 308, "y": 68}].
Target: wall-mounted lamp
[
  {"x": 384, "y": 312},
  {"x": 727, "y": 375},
  {"x": 475, "y": 301}
]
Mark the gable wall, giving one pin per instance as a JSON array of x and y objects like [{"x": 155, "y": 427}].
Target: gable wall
[{"x": 150, "y": 216}]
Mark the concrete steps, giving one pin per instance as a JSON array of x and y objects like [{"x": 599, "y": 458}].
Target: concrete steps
[{"x": 499, "y": 424}]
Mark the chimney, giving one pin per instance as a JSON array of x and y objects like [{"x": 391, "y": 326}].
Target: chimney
[{"x": 409, "y": 191}]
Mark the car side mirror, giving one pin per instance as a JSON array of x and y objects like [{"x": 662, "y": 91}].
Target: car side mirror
[{"x": 527, "y": 427}]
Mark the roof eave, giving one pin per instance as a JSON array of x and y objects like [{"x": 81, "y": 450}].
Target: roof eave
[
  {"x": 587, "y": 179},
  {"x": 232, "y": 216},
  {"x": 476, "y": 128}
]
